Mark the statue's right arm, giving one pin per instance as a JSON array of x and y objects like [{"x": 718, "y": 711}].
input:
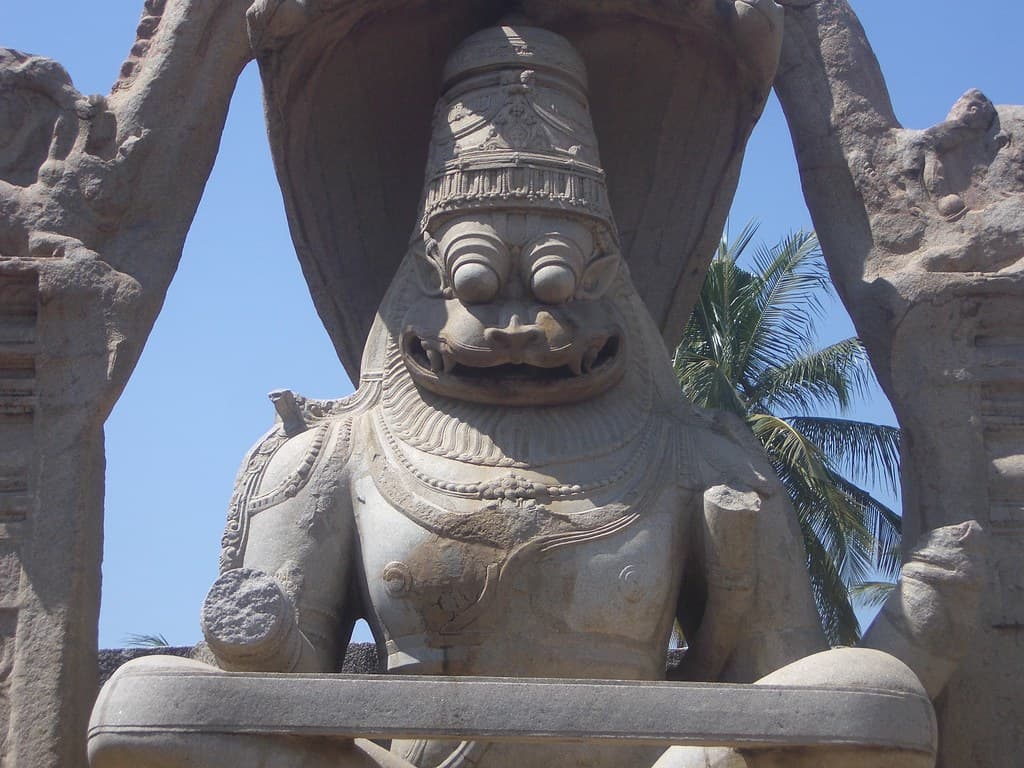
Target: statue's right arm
[{"x": 279, "y": 603}]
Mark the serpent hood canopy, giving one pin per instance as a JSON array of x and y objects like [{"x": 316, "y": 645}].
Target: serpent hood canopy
[{"x": 674, "y": 92}]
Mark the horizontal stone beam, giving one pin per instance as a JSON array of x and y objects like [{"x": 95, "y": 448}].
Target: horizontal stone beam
[{"x": 182, "y": 697}]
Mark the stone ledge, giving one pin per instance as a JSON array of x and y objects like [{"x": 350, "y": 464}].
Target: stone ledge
[{"x": 135, "y": 701}]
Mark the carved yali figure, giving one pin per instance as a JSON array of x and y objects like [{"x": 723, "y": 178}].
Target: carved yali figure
[{"x": 517, "y": 488}]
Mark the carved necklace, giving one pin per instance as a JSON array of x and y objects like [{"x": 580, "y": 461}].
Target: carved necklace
[
  {"x": 515, "y": 485},
  {"x": 515, "y": 516}
]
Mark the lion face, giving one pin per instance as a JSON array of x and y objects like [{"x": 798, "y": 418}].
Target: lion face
[
  {"x": 973, "y": 110},
  {"x": 514, "y": 310}
]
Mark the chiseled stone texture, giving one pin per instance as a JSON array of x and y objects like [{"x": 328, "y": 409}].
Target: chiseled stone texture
[
  {"x": 518, "y": 490},
  {"x": 96, "y": 196},
  {"x": 97, "y": 199},
  {"x": 869, "y": 710},
  {"x": 97, "y": 193},
  {"x": 923, "y": 231},
  {"x": 674, "y": 90}
]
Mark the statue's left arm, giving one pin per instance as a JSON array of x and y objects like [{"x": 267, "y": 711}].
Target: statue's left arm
[
  {"x": 745, "y": 606},
  {"x": 721, "y": 585}
]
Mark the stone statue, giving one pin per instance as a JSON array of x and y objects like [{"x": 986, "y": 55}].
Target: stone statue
[
  {"x": 97, "y": 194},
  {"x": 923, "y": 232},
  {"x": 517, "y": 489},
  {"x": 674, "y": 91}
]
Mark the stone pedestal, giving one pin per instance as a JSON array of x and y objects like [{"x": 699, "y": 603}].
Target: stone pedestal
[{"x": 160, "y": 701}]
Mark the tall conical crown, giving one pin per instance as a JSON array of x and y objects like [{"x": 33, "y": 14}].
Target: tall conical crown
[{"x": 513, "y": 129}]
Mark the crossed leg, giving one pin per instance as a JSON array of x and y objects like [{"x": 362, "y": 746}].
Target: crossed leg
[
  {"x": 166, "y": 746},
  {"x": 841, "y": 668}
]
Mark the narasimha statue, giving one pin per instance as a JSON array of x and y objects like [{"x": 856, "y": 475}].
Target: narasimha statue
[{"x": 517, "y": 489}]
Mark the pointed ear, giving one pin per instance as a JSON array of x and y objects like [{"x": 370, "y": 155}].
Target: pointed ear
[
  {"x": 426, "y": 261},
  {"x": 599, "y": 272}
]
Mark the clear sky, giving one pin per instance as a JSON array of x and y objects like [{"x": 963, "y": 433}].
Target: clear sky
[{"x": 238, "y": 321}]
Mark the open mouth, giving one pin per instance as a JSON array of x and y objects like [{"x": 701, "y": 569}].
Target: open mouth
[
  {"x": 571, "y": 375},
  {"x": 436, "y": 357}
]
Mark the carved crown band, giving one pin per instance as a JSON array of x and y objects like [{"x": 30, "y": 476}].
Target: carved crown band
[{"x": 540, "y": 183}]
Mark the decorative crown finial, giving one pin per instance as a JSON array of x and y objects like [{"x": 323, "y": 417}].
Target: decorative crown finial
[{"x": 513, "y": 129}]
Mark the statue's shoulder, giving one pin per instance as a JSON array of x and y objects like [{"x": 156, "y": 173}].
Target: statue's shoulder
[
  {"x": 718, "y": 448},
  {"x": 308, "y": 437},
  {"x": 302, "y": 458}
]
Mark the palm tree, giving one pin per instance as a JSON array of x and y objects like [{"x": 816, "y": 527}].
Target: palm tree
[
  {"x": 154, "y": 640},
  {"x": 749, "y": 348}
]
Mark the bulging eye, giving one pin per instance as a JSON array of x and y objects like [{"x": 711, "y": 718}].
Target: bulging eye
[
  {"x": 477, "y": 262},
  {"x": 553, "y": 283},
  {"x": 475, "y": 282},
  {"x": 553, "y": 263}
]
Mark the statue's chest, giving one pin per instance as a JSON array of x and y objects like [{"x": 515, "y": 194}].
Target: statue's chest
[{"x": 450, "y": 565}]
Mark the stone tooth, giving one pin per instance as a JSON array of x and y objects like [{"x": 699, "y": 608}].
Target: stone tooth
[
  {"x": 449, "y": 360},
  {"x": 434, "y": 357}
]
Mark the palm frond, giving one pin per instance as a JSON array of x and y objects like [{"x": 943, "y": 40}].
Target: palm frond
[
  {"x": 788, "y": 447},
  {"x": 872, "y": 594},
  {"x": 721, "y": 318},
  {"x": 864, "y": 451},
  {"x": 791, "y": 278},
  {"x": 705, "y": 383},
  {"x": 834, "y": 520},
  {"x": 733, "y": 249},
  {"x": 748, "y": 348},
  {"x": 883, "y": 524},
  {"x": 829, "y": 377},
  {"x": 831, "y": 596},
  {"x": 134, "y": 640},
  {"x": 830, "y": 510}
]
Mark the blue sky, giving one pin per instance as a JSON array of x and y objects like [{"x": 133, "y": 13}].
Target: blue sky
[{"x": 238, "y": 321}]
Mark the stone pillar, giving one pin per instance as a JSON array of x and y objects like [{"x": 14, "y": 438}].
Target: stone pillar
[
  {"x": 96, "y": 196},
  {"x": 923, "y": 233},
  {"x": 18, "y": 320},
  {"x": 50, "y": 502}
]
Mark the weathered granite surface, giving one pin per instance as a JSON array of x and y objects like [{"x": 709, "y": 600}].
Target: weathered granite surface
[
  {"x": 674, "y": 91},
  {"x": 97, "y": 194},
  {"x": 518, "y": 490},
  {"x": 923, "y": 231},
  {"x": 482, "y": 713},
  {"x": 95, "y": 202}
]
